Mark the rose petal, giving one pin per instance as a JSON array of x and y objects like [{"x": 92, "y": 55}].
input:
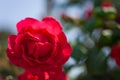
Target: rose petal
[
  {"x": 43, "y": 75},
  {"x": 65, "y": 45},
  {"x": 44, "y": 50},
  {"x": 12, "y": 54},
  {"x": 11, "y": 41},
  {"x": 16, "y": 60},
  {"x": 64, "y": 50},
  {"x": 62, "y": 38},
  {"x": 26, "y": 36},
  {"x": 29, "y": 25},
  {"x": 44, "y": 36},
  {"x": 54, "y": 25}
]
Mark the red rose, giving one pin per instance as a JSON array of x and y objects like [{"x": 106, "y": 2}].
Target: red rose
[
  {"x": 115, "y": 54},
  {"x": 39, "y": 46}
]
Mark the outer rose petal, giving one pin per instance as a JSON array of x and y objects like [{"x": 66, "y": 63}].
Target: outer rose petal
[
  {"x": 66, "y": 53},
  {"x": 30, "y": 25},
  {"x": 23, "y": 25},
  {"x": 16, "y": 60},
  {"x": 43, "y": 75},
  {"x": 34, "y": 25},
  {"x": 11, "y": 41},
  {"x": 64, "y": 50},
  {"x": 11, "y": 50},
  {"x": 54, "y": 25}
]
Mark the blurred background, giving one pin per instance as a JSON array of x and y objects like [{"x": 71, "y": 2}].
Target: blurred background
[{"x": 92, "y": 27}]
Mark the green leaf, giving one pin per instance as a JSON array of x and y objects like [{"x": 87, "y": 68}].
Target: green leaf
[
  {"x": 78, "y": 54},
  {"x": 96, "y": 62}
]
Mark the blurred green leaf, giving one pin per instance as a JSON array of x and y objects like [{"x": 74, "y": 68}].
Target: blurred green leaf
[
  {"x": 77, "y": 54},
  {"x": 96, "y": 62}
]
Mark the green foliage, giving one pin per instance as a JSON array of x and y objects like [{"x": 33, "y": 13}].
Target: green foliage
[
  {"x": 7, "y": 70},
  {"x": 91, "y": 51},
  {"x": 78, "y": 55}
]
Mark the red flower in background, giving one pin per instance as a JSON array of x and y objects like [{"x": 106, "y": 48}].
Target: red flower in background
[
  {"x": 115, "y": 54},
  {"x": 106, "y": 4},
  {"x": 40, "y": 47},
  {"x": 88, "y": 13}
]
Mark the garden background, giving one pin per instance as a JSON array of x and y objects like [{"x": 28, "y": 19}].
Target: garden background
[{"x": 92, "y": 27}]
